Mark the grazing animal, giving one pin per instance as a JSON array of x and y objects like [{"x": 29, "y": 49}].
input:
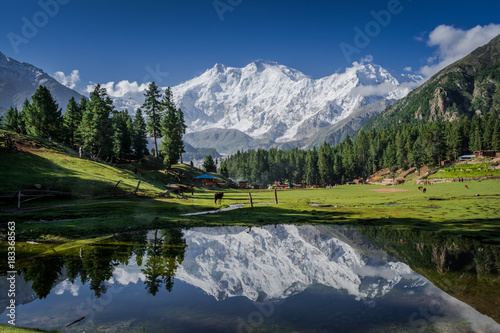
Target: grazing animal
[
  {"x": 466, "y": 187},
  {"x": 424, "y": 189},
  {"x": 420, "y": 188},
  {"x": 218, "y": 196}
]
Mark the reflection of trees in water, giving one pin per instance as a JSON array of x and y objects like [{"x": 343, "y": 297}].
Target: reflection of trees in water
[
  {"x": 440, "y": 252},
  {"x": 165, "y": 254},
  {"x": 95, "y": 263},
  {"x": 43, "y": 274},
  {"x": 463, "y": 267}
]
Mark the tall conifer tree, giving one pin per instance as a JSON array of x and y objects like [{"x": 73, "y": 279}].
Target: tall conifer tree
[
  {"x": 43, "y": 116},
  {"x": 153, "y": 108}
]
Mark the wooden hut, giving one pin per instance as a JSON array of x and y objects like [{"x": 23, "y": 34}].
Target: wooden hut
[{"x": 206, "y": 180}]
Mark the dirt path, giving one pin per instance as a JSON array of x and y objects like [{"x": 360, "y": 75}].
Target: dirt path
[{"x": 34, "y": 209}]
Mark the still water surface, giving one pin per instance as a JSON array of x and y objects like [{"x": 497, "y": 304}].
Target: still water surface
[{"x": 281, "y": 278}]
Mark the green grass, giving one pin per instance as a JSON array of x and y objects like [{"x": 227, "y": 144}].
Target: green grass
[
  {"x": 14, "y": 329},
  {"x": 447, "y": 207},
  {"x": 42, "y": 162},
  {"x": 467, "y": 171}
]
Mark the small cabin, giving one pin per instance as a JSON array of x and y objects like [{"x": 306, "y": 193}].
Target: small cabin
[
  {"x": 485, "y": 153},
  {"x": 206, "y": 180},
  {"x": 243, "y": 184}
]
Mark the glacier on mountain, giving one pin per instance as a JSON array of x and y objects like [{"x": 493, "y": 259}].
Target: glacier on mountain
[{"x": 272, "y": 101}]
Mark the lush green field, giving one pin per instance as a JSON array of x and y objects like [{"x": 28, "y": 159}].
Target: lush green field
[
  {"x": 447, "y": 207},
  {"x": 468, "y": 171}
]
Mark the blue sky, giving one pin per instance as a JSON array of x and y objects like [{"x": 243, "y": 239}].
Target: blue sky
[{"x": 140, "y": 41}]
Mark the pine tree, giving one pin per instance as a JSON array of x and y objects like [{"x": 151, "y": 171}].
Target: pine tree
[
  {"x": 21, "y": 121},
  {"x": 12, "y": 119},
  {"x": 71, "y": 123},
  {"x": 154, "y": 109},
  {"x": 209, "y": 164},
  {"x": 223, "y": 169},
  {"x": 475, "y": 137},
  {"x": 454, "y": 139},
  {"x": 416, "y": 156},
  {"x": 43, "y": 116},
  {"x": 122, "y": 138},
  {"x": 495, "y": 137},
  {"x": 96, "y": 127},
  {"x": 172, "y": 129},
  {"x": 311, "y": 167},
  {"x": 325, "y": 164},
  {"x": 139, "y": 141}
]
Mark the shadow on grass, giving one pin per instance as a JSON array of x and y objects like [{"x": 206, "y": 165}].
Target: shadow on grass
[{"x": 26, "y": 169}]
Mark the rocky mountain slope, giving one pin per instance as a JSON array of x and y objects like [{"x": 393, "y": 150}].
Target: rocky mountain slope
[
  {"x": 19, "y": 81},
  {"x": 467, "y": 87}
]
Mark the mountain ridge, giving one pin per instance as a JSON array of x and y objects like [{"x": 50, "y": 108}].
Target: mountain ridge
[
  {"x": 19, "y": 81},
  {"x": 267, "y": 100}
]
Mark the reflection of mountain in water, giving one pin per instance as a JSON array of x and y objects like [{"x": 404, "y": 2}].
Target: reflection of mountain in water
[
  {"x": 269, "y": 263},
  {"x": 273, "y": 263}
]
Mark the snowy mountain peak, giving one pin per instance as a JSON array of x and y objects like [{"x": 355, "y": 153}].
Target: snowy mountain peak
[{"x": 268, "y": 100}]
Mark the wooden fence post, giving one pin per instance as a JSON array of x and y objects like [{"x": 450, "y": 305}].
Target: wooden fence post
[
  {"x": 114, "y": 188},
  {"x": 251, "y": 202},
  {"x": 275, "y": 196},
  {"x": 135, "y": 191},
  {"x": 50, "y": 186}
]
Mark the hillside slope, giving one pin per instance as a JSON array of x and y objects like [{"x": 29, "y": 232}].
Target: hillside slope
[{"x": 38, "y": 161}]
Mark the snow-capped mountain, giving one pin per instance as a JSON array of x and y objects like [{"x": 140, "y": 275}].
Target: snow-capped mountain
[
  {"x": 272, "y": 101},
  {"x": 19, "y": 81},
  {"x": 268, "y": 264}
]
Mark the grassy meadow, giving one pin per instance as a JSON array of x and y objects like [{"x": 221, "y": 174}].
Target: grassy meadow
[{"x": 446, "y": 207}]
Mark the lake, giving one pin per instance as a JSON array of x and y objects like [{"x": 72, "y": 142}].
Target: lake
[{"x": 277, "y": 278}]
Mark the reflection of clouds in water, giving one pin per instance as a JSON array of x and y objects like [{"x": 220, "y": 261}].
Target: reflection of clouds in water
[
  {"x": 130, "y": 273},
  {"x": 444, "y": 305},
  {"x": 66, "y": 285},
  {"x": 390, "y": 271}
]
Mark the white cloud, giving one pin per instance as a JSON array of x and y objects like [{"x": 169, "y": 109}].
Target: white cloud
[
  {"x": 121, "y": 89},
  {"x": 385, "y": 88},
  {"x": 67, "y": 286},
  {"x": 408, "y": 69},
  {"x": 365, "y": 60},
  {"x": 70, "y": 80},
  {"x": 454, "y": 44}
]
